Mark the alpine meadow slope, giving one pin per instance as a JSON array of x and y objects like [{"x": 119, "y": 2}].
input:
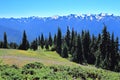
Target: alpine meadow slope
[{"x": 46, "y": 65}]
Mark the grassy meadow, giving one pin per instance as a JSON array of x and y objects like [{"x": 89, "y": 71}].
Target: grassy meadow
[
  {"x": 47, "y": 65},
  {"x": 20, "y": 57}
]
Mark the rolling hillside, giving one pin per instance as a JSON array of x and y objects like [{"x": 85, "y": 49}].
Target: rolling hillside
[
  {"x": 20, "y": 57},
  {"x": 56, "y": 67}
]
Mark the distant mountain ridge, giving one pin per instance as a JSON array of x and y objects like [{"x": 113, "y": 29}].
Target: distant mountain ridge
[{"x": 34, "y": 26}]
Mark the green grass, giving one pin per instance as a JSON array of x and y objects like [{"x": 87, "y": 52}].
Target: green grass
[
  {"x": 20, "y": 57},
  {"x": 54, "y": 68}
]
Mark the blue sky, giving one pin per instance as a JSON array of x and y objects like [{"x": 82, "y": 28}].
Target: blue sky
[{"x": 44, "y": 8}]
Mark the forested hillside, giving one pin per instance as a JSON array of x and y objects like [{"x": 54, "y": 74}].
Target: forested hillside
[{"x": 83, "y": 48}]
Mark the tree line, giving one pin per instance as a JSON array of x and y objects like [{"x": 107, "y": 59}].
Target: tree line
[{"x": 83, "y": 48}]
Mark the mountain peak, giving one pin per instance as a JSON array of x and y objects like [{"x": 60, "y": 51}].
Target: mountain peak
[{"x": 55, "y": 17}]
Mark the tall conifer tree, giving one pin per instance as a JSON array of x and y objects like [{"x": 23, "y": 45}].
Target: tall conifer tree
[
  {"x": 50, "y": 40},
  {"x": 42, "y": 43},
  {"x": 25, "y": 44},
  {"x": 59, "y": 41},
  {"x": 5, "y": 44}
]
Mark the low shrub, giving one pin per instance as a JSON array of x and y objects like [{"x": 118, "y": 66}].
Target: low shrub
[{"x": 35, "y": 65}]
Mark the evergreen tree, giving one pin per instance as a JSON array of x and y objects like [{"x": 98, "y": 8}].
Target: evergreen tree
[
  {"x": 97, "y": 50},
  {"x": 64, "y": 53},
  {"x": 100, "y": 58},
  {"x": 78, "y": 55},
  {"x": 112, "y": 53},
  {"x": 79, "y": 50},
  {"x": 106, "y": 62},
  {"x": 93, "y": 44},
  {"x": 72, "y": 42},
  {"x": 97, "y": 43},
  {"x": 54, "y": 43},
  {"x": 72, "y": 37},
  {"x": 34, "y": 45},
  {"x": 1, "y": 44},
  {"x": 92, "y": 47},
  {"x": 103, "y": 46},
  {"x": 39, "y": 40},
  {"x": 13, "y": 45},
  {"x": 105, "y": 49},
  {"x": 74, "y": 56},
  {"x": 5, "y": 44},
  {"x": 55, "y": 40},
  {"x": 46, "y": 44},
  {"x": 85, "y": 46},
  {"x": 50, "y": 39},
  {"x": 25, "y": 44},
  {"x": 67, "y": 38},
  {"x": 116, "y": 58},
  {"x": 59, "y": 41},
  {"x": 42, "y": 43},
  {"x": 116, "y": 45},
  {"x": 98, "y": 61}
]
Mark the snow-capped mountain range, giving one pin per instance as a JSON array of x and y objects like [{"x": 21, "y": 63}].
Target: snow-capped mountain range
[{"x": 34, "y": 26}]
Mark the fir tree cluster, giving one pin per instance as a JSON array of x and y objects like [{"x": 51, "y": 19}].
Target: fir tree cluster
[
  {"x": 101, "y": 51},
  {"x": 83, "y": 48},
  {"x": 4, "y": 44}
]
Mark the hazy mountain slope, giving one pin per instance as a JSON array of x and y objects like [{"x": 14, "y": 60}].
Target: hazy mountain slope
[{"x": 34, "y": 26}]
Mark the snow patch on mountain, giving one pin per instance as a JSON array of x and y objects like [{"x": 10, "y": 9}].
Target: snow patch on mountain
[{"x": 55, "y": 17}]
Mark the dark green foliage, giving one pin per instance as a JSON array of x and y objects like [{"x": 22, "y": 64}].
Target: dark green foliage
[
  {"x": 13, "y": 45},
  {"x": 72, "y": 39},
  {"x": 64, "y": 53},
  {"x": 93, "y": 44},
  {"x": 35, "y": 65},
  {"x": 79, "y": 50},
  {"x": 1, "y": 44},
  {"x": 116, "y": 57},
  {"x": 34, "y": 45},
  {"x": 75, "y": 57},
  {"x": 59, "y": 41},
  {"x": 55, "y": 40},
  {"x": 38, "y": 71},
  {"x": 50, "y": 41},
  {"x": 112, "y": 54},
  {"x": 85, "y": 46},
  {"x": 72, "y": 50},
  {"x": 101, "y": 51},
  {"x": 5, "y": 44},
  {"x": 39, "y": 40},
  {"x": 42, "y": 43},
  {"x": 108, "y": 52},
  {"x": 47, "y": 44},
  {"x": 78, "y": 55},
  {"x": 97, "y": 43},
  {"x": 73, "y": 42},
  {"x": 67, "y": 38},
  {"x": 93, "y": 48},
  {"x": 25, "y": 44}
]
